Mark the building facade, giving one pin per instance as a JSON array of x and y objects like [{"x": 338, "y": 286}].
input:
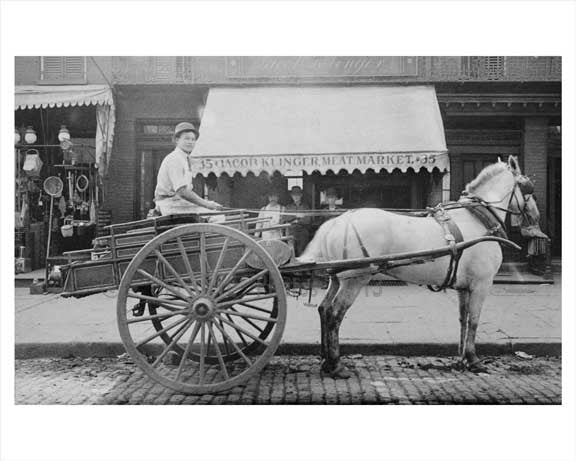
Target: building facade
[{"x": 474, "y": 109}]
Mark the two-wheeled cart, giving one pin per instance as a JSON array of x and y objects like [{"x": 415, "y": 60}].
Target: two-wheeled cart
[{"x": 201, "y": 307}]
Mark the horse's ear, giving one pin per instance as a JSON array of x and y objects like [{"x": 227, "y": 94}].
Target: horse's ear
[
  {"x": 513, "y": 164},
  {"x": 500, "y": 160}
]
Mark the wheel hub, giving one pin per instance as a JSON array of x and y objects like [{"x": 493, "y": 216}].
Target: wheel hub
[{"x": 203, "y": 308}]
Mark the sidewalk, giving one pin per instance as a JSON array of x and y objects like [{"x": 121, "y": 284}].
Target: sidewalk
[{"x": 386, "y": 319}]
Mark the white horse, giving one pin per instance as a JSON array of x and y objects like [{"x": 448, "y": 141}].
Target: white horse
[{"x": 500, "y": 188}]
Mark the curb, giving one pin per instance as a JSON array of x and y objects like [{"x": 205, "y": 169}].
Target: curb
[{"x": 101, "y": 350}]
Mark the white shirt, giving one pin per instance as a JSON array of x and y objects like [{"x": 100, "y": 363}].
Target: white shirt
[
  {"x": 274, "y": 213},
  {"x": 175, "y": 172}
]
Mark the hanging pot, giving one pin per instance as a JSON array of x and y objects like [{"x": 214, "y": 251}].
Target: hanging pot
[
  {"x": 32, "y": 163},
  {"x": 67, "y": 229}
]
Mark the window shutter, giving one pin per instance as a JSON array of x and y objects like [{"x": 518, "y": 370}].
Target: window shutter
[
  {"x": 494, "y": 67},
  {"x": 170, "y": 69},
  {"x": 74, "y": 67},
  {"x": 162, "y": 68},
  {"x": 63, "y": 68},
  {"x": 52, "y": 68}
]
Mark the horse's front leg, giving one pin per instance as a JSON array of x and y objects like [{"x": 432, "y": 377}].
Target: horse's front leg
[
  {"x": 477, "y": 297},
  {"x": 326, "y": 303}
]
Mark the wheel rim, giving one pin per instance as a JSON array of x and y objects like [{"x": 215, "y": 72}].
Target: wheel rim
[{"x": 212, "y": 322}]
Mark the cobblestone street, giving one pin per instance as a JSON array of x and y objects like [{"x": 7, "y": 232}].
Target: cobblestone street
[{"x": 297, "y": 380}]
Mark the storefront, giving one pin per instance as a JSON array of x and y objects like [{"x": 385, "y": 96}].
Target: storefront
[
  {"x": 62, "y": 131},
  {"x": 377, "y": 146}
]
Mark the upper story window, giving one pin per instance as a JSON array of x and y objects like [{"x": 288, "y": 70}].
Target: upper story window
[
  {"x": 169, "y": 69},
  {"x": 63, "y": 69},
  {"x": 483, "y": 67}
]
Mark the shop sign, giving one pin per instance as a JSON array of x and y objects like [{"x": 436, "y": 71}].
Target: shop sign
[
  {"x": 321, "y": 66},
  {"x": 322, "y": 162}
]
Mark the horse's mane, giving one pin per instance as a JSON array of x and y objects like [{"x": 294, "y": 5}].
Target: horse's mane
[{"x": 486, "y": 175}]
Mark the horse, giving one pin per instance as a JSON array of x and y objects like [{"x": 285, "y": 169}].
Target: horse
[{"x": 499, "y": 189}]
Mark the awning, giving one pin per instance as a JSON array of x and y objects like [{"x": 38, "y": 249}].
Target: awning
[
  {"x": 47, "y": 96},
  {"x": 294, "y": 130}
]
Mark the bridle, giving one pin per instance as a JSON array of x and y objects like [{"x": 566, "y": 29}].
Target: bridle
[{"x": 521, "y": 182}]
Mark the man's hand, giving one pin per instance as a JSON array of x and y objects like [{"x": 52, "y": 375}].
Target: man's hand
[{"x": 214, "y": 205}]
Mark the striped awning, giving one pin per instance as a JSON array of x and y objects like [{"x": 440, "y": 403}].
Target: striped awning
[
  {"x": 44, "y": 96},
  {"x": 305, "y": 129},
  {"x": 50, "y": 96}
]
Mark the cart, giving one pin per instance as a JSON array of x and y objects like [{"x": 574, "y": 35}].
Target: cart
[{"x": 201, "y": 307}]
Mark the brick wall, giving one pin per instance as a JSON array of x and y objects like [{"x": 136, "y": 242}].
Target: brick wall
[
  {"x": 535, "y": 145},
  {"x": 136, "y": 104}
]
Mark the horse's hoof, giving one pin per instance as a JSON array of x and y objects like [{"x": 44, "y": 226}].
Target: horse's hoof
[
  {"x": 340, "y": 372},
  {"x": 477, "y": 367},
  {"x": 461, "y": 364}
]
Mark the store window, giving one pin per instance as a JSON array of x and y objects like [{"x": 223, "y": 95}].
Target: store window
[{"x": 63, "y": 69}]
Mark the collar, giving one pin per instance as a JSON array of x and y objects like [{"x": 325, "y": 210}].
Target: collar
[{"x": 181, "y": 152}]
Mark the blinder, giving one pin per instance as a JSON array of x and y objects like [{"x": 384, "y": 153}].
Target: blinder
[{"x": 525, "y": 185}]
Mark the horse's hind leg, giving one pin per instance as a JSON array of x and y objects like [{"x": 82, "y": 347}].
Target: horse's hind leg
[
  {"x": 477, "y": 297},
  {"x": 348, "y": 292},
  {"x": 333, "y": 287},
  {"x": 463, "y": 302}
]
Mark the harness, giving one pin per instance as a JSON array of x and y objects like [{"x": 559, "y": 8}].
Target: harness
[
  {"x": 482, "y": 210},
  {"x": 452, "y": 235}
]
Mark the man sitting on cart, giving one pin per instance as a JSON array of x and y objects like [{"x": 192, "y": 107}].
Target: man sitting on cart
[{"x": 174, "y": 192}]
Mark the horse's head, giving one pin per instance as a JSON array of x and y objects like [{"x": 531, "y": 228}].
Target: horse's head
[{"x": 521, "y": 199}]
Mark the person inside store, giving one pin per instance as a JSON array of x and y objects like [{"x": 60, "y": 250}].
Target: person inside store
[
  {"x": 331, "y": 199},
  {"x": 174, "y": 192},
  {"x": 300, "y": 222},
  {"x": 273, "y": 212}
]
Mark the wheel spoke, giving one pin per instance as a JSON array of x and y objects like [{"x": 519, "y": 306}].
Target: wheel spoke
[
  {"x": 202, "y": 351},
  {"x": 203, "y": 263},
  {"x": 247, "y": 320},
  {"x": 168, "y": 304},
  {"x": 249, "y": 316},
  {"x": 159, "y": 332},
  {"x": 153, "y": 317},
  {"x": 161, "y": 283},
  {"x": 239, "y": 333},
  {"x": 187, "y": 264},
  {"x": 227, "y": 336},
  {"x": 218, "y": 265},
  {"x": 173, "y": 342},
  {"x": 257, "y": 308},
  {"x": 231, "y": 273},
  {"x": 184, "y": 285},
  {"x": 242, "y": 285},
  {"x": 218, "y": 353},
  {"x": 246, "y": 332},
  {"x": 226, "y": 349},
  {"x": 247, "y": 298},
  {"x": 187, "y": 350}
]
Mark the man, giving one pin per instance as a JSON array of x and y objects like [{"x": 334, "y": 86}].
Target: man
[
  {"x": 174, "y": 193},
  {"x": 300, "y": 221},
  {"x": 331, "y": 198},
  {"x": 274, "y": 213}
]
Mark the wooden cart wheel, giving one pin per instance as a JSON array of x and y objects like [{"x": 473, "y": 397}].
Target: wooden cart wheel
[
  {"x": 221, "y": 320},
  {"x": 248, "y": 346}
]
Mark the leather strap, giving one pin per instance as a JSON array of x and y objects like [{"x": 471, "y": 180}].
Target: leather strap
[
  {"x": 365, "y": 253},
  {"x": 452, "y": 235}
]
